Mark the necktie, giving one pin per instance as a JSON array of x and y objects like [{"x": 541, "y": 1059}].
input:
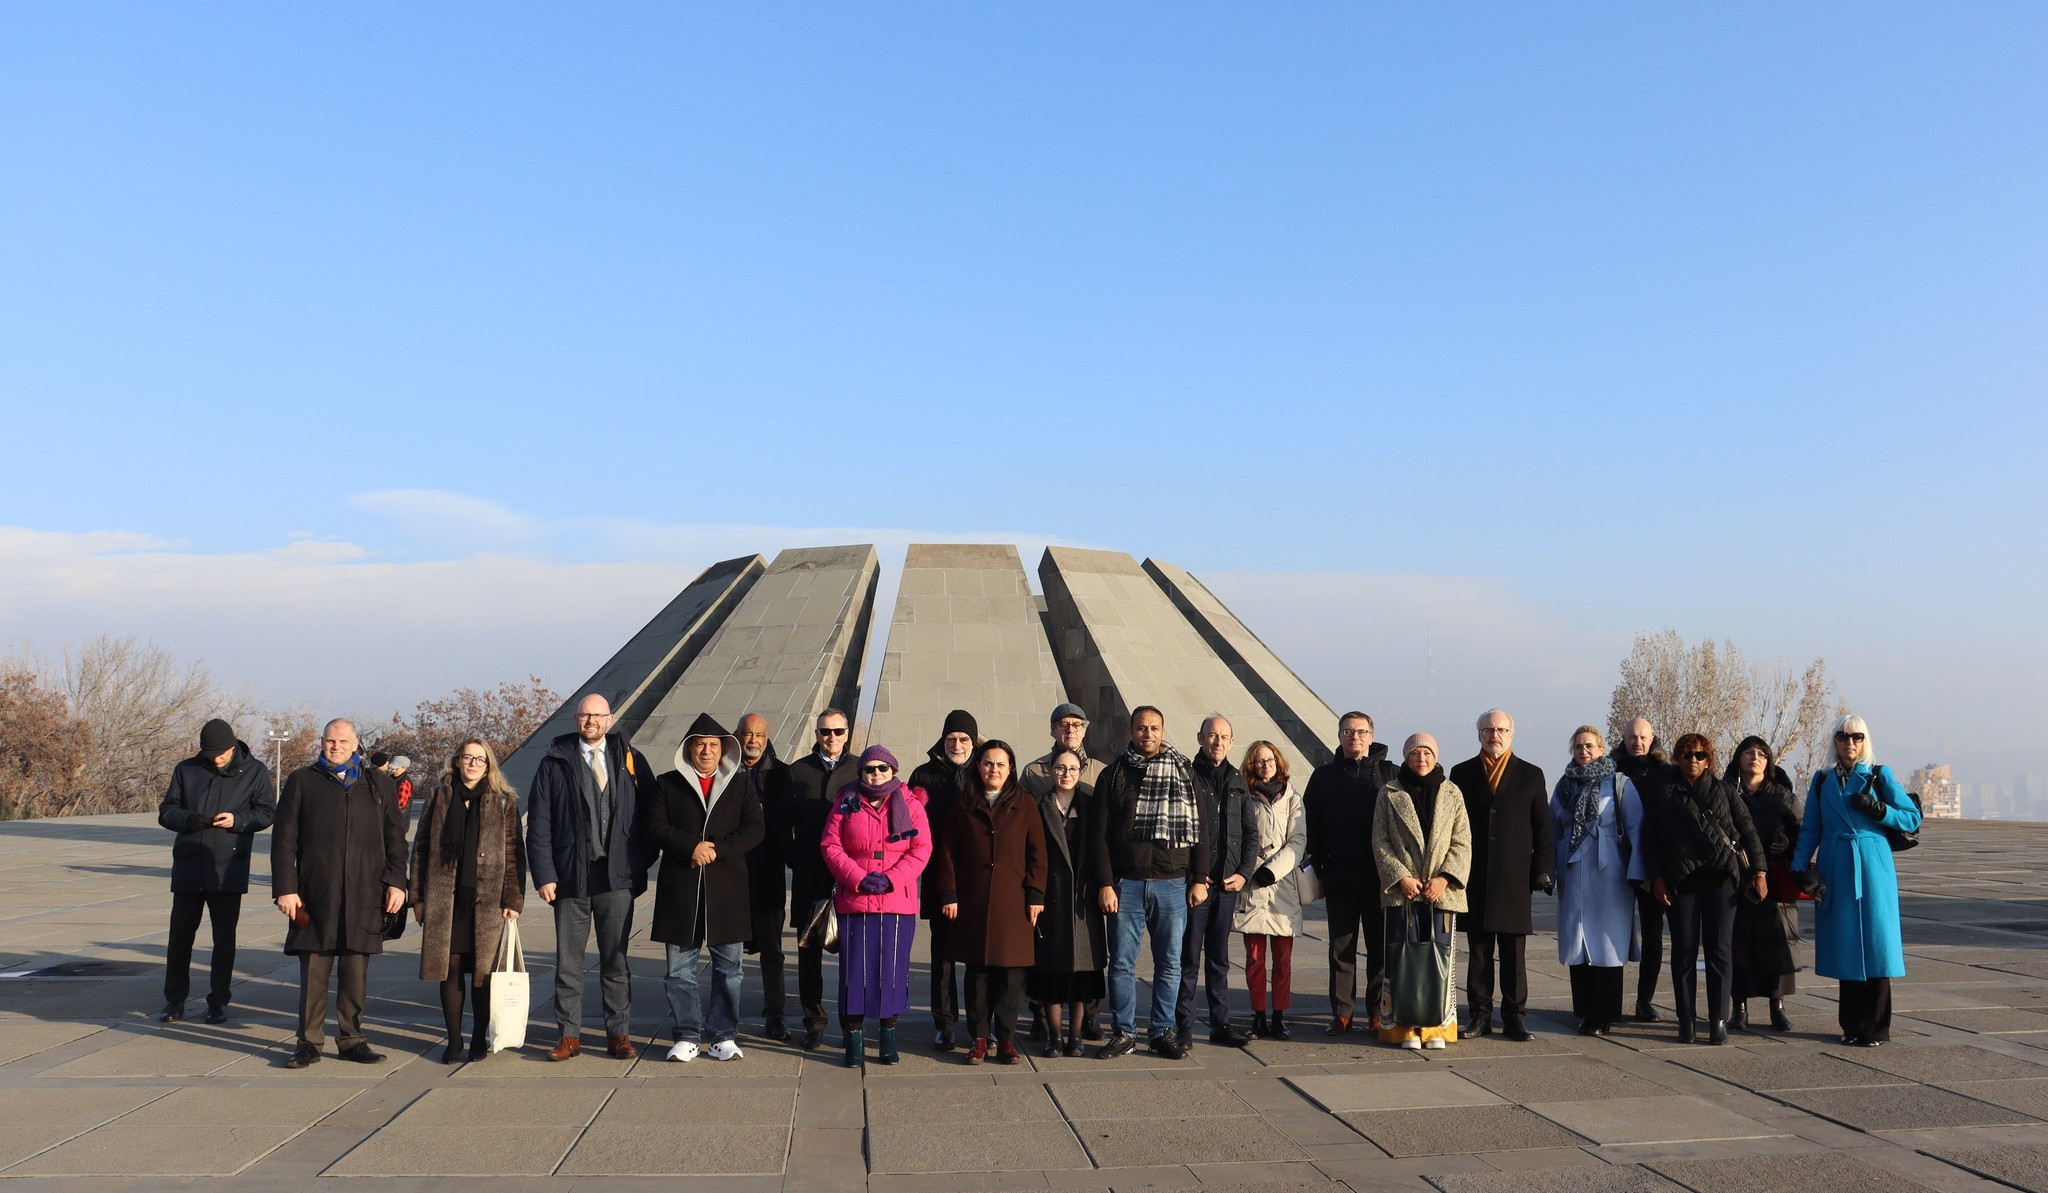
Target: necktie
[{"x": 597, "y": 768}]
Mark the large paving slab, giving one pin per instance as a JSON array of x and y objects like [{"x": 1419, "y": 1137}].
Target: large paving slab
[
  {"x": 2020, "y": 1166},
  {"x": 792, "y": 647},
  {"x": 1576, "y": 1078},
  {"x": 1614, "y": 1179},
  {"x": 1671, "y": 1119},
  {"x": 1135, "y": 1142},
  {"x": 1903, "y": 1108},
  {"x": 1459, "y": 1130},
  {"x": 966, "y": 634},
  {"x": 636, "y": 678},
  {"x": 1399, "y": 1090},
  {"x": 1816, "y": 1172}
]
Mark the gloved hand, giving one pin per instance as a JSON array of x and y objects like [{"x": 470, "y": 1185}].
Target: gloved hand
[
  {"x": 876, "y": 883},
  {"x": 1866, "y": 802},
  {"x": 1263, "y": 877},
  {"x": 1544, "y": 883}
]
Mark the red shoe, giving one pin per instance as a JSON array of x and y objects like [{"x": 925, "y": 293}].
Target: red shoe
[
  {"x": 1007, "y": 1053},
  {"x": 979, "y": 1052}
]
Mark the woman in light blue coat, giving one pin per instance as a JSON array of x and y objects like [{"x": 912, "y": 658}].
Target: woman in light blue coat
[
  {"x": 1856, "y": 922},
  {"x": 1597, "y": 823}
]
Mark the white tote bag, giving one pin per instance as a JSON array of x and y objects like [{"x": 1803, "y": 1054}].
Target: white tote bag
[{"x": 511, "y": 992}]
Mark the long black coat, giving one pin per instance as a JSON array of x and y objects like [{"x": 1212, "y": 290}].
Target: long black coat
[
  {"x": 1765, "y": 931},
  {"x": 813, "y": 793},
  {"x": 337, "y": 848},
  {"x": 676, "y": 821},
  {"x": 767, "y": 869},
  {"x": 1071, "y": 928},
  {"x": 1338, "y": 805},
  {"x": 1675, "y": 835},
  {"x": 942, "y": 782},
  {"x": 1511, "y": 844},
  {"x": 204, "y": 858}
]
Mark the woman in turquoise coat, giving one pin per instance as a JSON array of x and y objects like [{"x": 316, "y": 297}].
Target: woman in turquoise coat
[{"x": 1856, "y": 922}]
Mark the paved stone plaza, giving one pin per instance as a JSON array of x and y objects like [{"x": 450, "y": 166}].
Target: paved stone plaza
[{"x": 97, "y": 1095}]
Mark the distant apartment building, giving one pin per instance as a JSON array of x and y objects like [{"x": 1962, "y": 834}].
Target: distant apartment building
[
  {"x": 2030, "y": 797},
  {"x": 1941, "y": 797}
]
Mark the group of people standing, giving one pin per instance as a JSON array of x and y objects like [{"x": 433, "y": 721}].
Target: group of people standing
[{"x": 1041, "y": 881}]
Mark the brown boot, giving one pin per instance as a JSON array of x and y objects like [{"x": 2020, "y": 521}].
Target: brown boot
[
  {"x": 620, "y": 1048},
  {"x": 568, "y": 1047},
  {"x": 1338, "y": 1026}
]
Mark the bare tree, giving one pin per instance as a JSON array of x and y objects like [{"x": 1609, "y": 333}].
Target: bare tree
[
  {"x": 43, "y": 748},
  {"x": 504, "y": 718},
  {"x": 145, "y": 711},
  {"x": 1712, "y": 689}
]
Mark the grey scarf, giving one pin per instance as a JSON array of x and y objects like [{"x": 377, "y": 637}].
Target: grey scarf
[{"x": 1585, "y": 803}]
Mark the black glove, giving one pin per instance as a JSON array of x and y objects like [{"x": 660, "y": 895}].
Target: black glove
[
  {"x": 1544, "y": 883},
  {"x": 1263, "y": 877},
  {"x": 1865, "y": 801}
]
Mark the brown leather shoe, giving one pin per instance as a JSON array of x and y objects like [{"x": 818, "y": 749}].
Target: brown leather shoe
[
  {"x": 1338, "y": 1026},
  {"x": 620, "y": 1048},
  {"x": 568, "y": 1047}
]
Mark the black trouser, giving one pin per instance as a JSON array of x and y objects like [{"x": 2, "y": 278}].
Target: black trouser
[
  {"x": 315, "y": 971},
  {"x": 1865, "y": 1009},
  {"x": 1346, "y": 913},
  {"x": 1651, "y": 914},
  {"x": 767, "y": 927},
  {"x": 1596, "y": 992},
  {"x": 810, "y": 985},
  {"x": 993, "y": 991},
  {"x": 1205, "y": 947},
  {"x": 1514, "y": 975},
  {"x": 225, "y": 910},
  {"x": 945, "y": 979},
  {"x": 1703, "y": 916}
]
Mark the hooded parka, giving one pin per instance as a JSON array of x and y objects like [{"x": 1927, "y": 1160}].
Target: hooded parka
[
  {"x": 703, "y": 905},
  {"x": 204, "y": 858},
  {"x": 338, "y": 848},
  {"x": 500, "y": 878}
]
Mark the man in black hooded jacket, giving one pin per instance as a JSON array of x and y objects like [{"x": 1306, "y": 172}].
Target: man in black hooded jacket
[
  {"x": 1338, "y": 805},
  {"x": 218, "y": 800},
  {"x": 942, "y": 777}
]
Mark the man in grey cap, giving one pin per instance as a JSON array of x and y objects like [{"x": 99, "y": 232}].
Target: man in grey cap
[
  {"x": 399, "y": 766},
  {"x": 1069, "y": 731}
]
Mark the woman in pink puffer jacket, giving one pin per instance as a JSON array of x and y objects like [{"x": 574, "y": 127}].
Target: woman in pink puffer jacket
[{"x": 876, "y": 843}]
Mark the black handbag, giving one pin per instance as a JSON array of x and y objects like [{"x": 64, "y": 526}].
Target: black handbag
[
  {"x": 1899, "y": 839},
  {"x": 394, "y": 924}
]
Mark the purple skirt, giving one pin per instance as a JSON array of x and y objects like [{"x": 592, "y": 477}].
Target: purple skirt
[{"x": 874, "y": 963}]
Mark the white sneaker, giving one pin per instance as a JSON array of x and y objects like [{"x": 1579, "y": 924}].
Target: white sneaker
[
  {"x": 1412, "y": 1042},
  {"x": 724, "y": 1050},
  {"x": 683, "y": 1050},
  {"x": 1433, "y": 1042}
]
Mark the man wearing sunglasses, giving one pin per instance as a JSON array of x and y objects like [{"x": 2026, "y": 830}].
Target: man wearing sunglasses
[{"x": 814, "y": 782}]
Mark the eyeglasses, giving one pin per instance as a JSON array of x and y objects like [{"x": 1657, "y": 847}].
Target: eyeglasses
[
  {"x": 1695, "y": 756},
  {"x": 1848, "y": 737},
  {"x": 842, "y": 731},
  {"x": 593, "y": 716},
  {"x": 466, "y": 759},
  {"x": 876, "y": 768},
  {"x": 1065, "y": 769},
  {"x": 1355, "y": 733}
]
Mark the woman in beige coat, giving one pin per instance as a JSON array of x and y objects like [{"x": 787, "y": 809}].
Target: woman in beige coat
[
  {"x": 1423, "y": 846},
  {"x": 1269, "y": 910},
  {"x": 468, "y": 878}
]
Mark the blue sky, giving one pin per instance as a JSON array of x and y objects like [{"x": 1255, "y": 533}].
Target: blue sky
[{"x": 1728, "y": 318}]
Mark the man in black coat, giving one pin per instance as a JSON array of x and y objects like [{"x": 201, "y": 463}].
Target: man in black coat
[
  {"x": 1641, "y": 755},
  {"x": 337, "y": 867},
  {"x": 703, "y": 821},
  {"x": 218, "y": 800},
  {"x": 942, "y": 777},
  {"x": 1508, "y": 805},
  {"x": 767, "y": 871},
  {"x": 1233, "y": 833},
  {"x": 814, "y": 782},
  {"x": 1338, "y": 804},
  {"x": 589, "y": 863}
]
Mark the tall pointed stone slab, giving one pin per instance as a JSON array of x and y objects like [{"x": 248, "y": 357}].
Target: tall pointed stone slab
[
  {"x": 967, "y": 633},
  {"x": 1309, "y": 723},
  {"x": 1121, "y": 643},
  {"x": 641, "y": 673},
  {"x": 793, "y": 648}
]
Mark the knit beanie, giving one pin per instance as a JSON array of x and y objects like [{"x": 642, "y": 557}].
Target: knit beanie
[
  {"x": 218, "y": 737},
  {"x": 961, "y": 721}
]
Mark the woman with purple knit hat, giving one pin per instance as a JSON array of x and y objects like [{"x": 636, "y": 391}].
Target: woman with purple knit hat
[{"x": 876, "y": 843}]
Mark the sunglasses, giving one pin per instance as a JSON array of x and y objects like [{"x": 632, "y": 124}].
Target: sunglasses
[
  {"x": 833, "y": 732},
  {"x": 1695, "y": 756},
  {"x": 1848, "y": 737},
  {"x": 876, "y": 769}
]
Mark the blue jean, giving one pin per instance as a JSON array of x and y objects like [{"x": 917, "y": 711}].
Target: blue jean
[
  {"x": 684, "y": 1005},
  {"x": 1160, "y": 906}
]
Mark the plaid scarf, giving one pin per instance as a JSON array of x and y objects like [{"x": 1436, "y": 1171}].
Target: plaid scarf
[{"x": 1166, "y": 809}]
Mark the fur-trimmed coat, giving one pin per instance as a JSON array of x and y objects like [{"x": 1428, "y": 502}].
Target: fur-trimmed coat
[
  {"x": 1397, "y": 845},
  {"x": 500, "y": 869}
]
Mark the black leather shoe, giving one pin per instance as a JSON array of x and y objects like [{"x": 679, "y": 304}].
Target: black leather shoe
[
  {"x": 1229, "y": 1036},
  {"x": 306, "y": 1055},
  {"x": 1280, "y": 1031},
  {"x": 1166, "y": 1047},
  {"x": 362, "y": 1054},
  {"x": 216, "y": 1015},
  {"x": 1117, "y": 1045},
  {"x": 814, "y": 1038},
  {"x": 1476, "y": 1026},
  {"x": 1685, "y": 1032},
  {"x": 1601, "y": 1029},
  {"x": 452, "y": 1054},
  {"x": 1184, "y": 1039},
  {"x": 1258, "y": 1023},
  {"x": 1718, "y": 1034},
  {"x": 1778, "y": 1020},
  {"x": 1515, "y": 1032},
  {"x": 943, "y": 1039},
  {"x": 1645, "y": 1013},
  {"x": 1073, "y": 1048},
  {"x": 173, "y": 1012},
  {"x": 1738, "y": 1019},
  {"x": 774, "y": 1030},
  {"x": 1865, "y": 1042}
]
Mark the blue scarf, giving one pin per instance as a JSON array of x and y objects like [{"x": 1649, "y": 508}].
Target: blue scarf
[
  {"x": 1585, "y": 803},
  {"x": 345, "y": 774}
]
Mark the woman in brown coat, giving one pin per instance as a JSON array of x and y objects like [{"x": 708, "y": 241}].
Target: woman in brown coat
[
  {"x": 989, "y": 880},
  {"x": 468, "y": 844}
]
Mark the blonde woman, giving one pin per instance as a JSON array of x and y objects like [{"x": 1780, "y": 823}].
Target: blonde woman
[
  {"x": 468, "y": 878},
  {"x": 1269, "y": 910}
]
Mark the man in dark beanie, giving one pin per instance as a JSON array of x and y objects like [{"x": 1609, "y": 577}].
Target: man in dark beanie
[
  {"x": 218, "y": 800},
  {"x": 942, "y": 777}
]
